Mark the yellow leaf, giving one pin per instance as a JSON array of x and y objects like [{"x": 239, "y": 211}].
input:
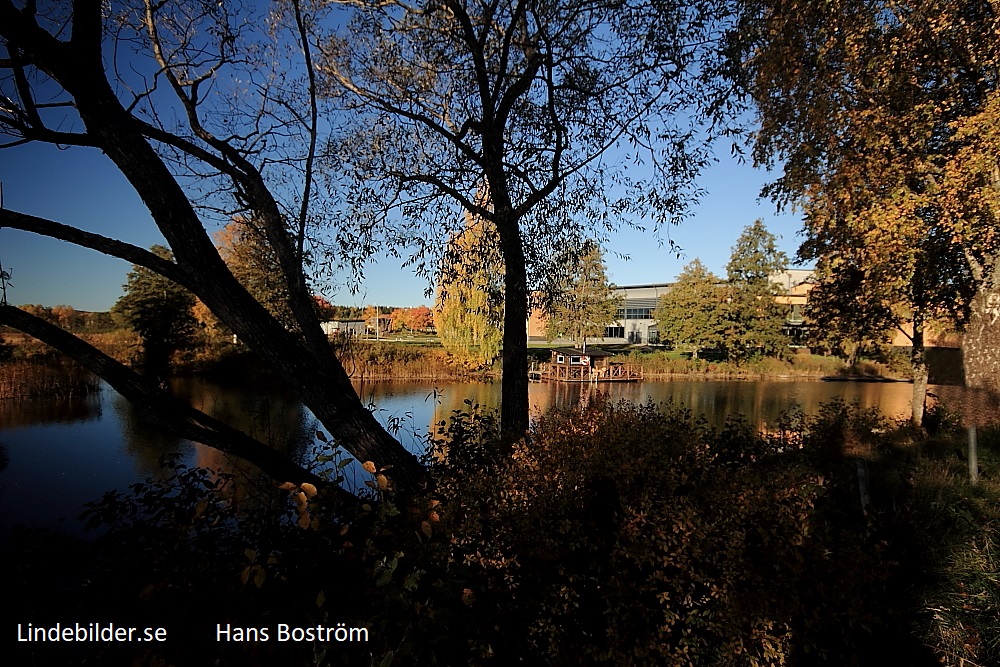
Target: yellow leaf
[
  {"x": 468, "y": 597},
  {"x": 426, "y": 527},
  {"x": 200, "y": 508},
  {"x": 309, "y": 489},
  {"x": 383, "y": 482},
  {"x": 369, "y": 466}
]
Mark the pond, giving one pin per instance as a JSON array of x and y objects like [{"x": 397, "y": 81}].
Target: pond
[{"x": 62, "y": 454}]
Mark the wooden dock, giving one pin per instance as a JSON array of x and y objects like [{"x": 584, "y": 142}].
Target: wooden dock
[{"x": 561, "y": 373}]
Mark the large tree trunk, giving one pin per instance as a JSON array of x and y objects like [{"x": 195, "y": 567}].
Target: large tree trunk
[
  {"x": 305, "y": 363},
  {"x": 980, "y": 402},
  {"x": 918, "y": 361},
  {"x": 514, "y": 390}
]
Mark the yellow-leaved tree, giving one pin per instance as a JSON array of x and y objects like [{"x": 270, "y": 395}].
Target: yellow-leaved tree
[
  {"x": 883, "y": 117},
  {"x": 469, "y": 309}
]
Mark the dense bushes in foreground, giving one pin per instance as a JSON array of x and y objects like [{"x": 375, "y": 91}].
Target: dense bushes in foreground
[{"x": 617, "y": 535}]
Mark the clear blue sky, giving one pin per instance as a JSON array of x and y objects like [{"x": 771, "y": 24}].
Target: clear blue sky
[{"x": 81, "y": 187}]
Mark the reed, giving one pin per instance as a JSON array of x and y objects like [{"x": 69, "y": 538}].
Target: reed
[
  {"x": 666, "y": 365},
  {"x": 45, "y": 378},
  {"x": 378, "y": 360}
]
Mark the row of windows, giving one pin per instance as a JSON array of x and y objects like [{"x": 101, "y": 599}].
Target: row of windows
[
  {"x": 794, "y": 315},
  {"x": 634, "y": 336},
  {"x": 634, "y": 314}
]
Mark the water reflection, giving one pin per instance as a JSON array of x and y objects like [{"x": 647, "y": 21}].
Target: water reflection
[
  {"x": 15, "y": 413},
  {"x": 63, "y": 454},
  {"x": 272, "y": 416}
]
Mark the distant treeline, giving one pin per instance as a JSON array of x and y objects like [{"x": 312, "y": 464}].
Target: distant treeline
[{"x": 71, "y": 319}]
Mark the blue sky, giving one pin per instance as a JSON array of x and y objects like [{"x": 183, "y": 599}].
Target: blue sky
[{"x": 81, "y": 187}]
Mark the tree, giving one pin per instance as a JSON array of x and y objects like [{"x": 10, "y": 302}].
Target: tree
[
  {"x": 526, "y": 99},
  {"x": 325, "y": 310},
  {"x": 469, "y": 311},
  {"x": 876, "y": 127},
  {"x": 691, "y": 316},
  {"x": 189, "y": 107},
  {"x": 248, "y": 254},
  {"x": 838, "y": 294},
  {"x": 420, "y": 318},
  {"x": 584, "y": 304},
  {"x": 159, "y": 311},
  {"x": 753, "y": 319}
]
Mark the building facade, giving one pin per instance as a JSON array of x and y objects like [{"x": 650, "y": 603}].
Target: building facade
[
  {"x": 635, "y": 324},
  {"x": 335, "y": 328}
]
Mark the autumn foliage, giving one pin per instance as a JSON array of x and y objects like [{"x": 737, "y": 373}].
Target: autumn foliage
[{"x": 621, "y": 535}]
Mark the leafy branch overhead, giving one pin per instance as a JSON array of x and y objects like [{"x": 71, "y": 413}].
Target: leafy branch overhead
[
  {"x": 878, "y": 114},
  {"x": 575, "y": 117}
]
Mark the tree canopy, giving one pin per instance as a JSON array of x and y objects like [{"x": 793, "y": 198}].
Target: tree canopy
[
  {"x": 468, "y": 313},
  {"x": 584, "y": 302},
  {"x": 879, "y": 130},
  {"x": 523, "y": 99},
  {"x": 691, "y": 315},
  {"x": 248, "y": 254},
  {"x": 753, "y": 318},
  {"x": 159, "y": 311}
]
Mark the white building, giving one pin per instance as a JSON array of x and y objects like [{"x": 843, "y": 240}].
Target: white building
[
  {"x": 634, "y": 322},
  {"x": 344, "y": 328}
]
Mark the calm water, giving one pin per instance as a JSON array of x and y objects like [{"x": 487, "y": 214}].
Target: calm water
[{"x": 64, "y": 454}]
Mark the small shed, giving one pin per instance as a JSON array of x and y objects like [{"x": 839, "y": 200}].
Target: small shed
[
  {"x": 571, "y": 357},
  {"x": 575, "y": 365}
]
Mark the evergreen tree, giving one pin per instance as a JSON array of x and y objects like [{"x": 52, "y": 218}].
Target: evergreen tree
[
  {"x": 585, "y": 303},
  {"x": 754, "y": 320},
  {"x": 159, "y": 311},
  {"x": 692, "y": 314}
]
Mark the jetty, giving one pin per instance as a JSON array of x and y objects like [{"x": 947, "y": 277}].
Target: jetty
[{"x": 582, "y": 365}]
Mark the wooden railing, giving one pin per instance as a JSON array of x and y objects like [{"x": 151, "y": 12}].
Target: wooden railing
[{"x": 611, "y": 373}]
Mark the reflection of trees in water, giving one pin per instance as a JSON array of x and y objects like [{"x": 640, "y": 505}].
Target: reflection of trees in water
[
  {"x": 270, "y": 416},
  {"x": 146, "y": 444},
  {"x": 453, "y": 398},
  {"x": 762, "y": 402},
  {"x": 37, "y": 411}
]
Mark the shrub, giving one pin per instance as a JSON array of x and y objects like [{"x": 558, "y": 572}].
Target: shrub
[
  {"x": 617, "y": 534},
  {"x": 621, "y": 535}
]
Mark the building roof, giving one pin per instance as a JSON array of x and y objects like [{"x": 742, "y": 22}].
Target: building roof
[
  {"x": 574, "y": 352},
  {"x": 643, "y": 286}
]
